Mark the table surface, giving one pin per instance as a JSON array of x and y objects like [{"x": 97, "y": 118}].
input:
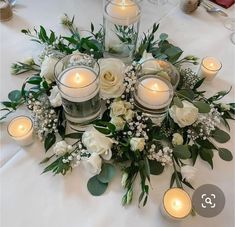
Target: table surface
[{"x": 30, "y": 199}]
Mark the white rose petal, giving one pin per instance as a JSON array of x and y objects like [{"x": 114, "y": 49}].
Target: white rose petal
[
  {"x": 177, "y": 139},
  {"x": 188, "y": 172},
  {"x": 137, "y": 144},
  {"x": 184, "y": 116},
  {"x": 118, "y": 122},
  {"x": 60, "y": 148},
  {"x": 111, "y": 78},
  {"x": 47, "y": 68},
  {"x": 93, "y": 164},
  {"x": 96, "y": 142},
  {"x": 55, "y": 97},
  {"x": 149, "y": 66},
  {"x": 118, "y": 108},
  {"x": 129, "y": 115}
]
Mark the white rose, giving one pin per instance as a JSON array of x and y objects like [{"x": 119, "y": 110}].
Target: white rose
[
  {"x": 61, "y": 148},
  {"x": 111, "y": 78},
  {"x": 93, "y": 164},
  {"x": 96, "y": 142},
  {"x": 149, "y": 64},
  {"x": 188, "y": 172},
  {"x": 137, "y": 144},
  {"x": 55, "y": 97},
  {"x": 177, "y": 139},
  {"x": 117, "y": 109},
  {"x": 184, "y": 116},
  {"x": 129, "y": 115},
  {"x": 118, "y": 122},
  {"x": 47, "y": 68}
]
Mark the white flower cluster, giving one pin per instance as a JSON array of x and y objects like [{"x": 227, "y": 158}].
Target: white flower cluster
[
  {"x": 206, "y": 124},
  {"x": 120, "y": 113},
  {"x": 130, "y": 79},
  {"x": 45, "y": 117},
  {"x": 164, "y": 156},
  {"x": 190, "y": 78}
]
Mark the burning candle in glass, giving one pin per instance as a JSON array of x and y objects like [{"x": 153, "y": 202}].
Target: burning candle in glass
[
  {"x": 79, "y": 88},
  {"x": 21, "y": 130},
  {"x": 153, "y": 92},
  {"x": 176, "y": 204},
  {"x": 210, "y": 67},
  {"x": 121, "y": 25}
]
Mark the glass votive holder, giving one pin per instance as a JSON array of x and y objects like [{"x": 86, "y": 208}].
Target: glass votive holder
[
  {"x": 209, "y": 68},
  {"x": 121, "y": 20},
  {"x": 20, "y": 129},
  {"x": 77, "y": 77},
  {"x": 176, "y": 204},
  {"x": 152, "y": 96},
  {"x": 160, "y": 68}
]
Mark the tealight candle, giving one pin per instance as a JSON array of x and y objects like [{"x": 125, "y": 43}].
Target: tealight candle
[
  {"x": 210, "y": 66},
  {"x": 176, "y": 204},
  {"x": 78, "y": 84},
  {"x": 21, "y": 130},
  {"x": 122, "y": 12},
  {"x": 153, "y": 93}
]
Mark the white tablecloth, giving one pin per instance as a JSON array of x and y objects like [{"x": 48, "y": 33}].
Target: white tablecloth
[{"x": 29, "y": 199}]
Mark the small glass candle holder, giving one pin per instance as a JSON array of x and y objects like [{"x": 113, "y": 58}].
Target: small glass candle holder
[
  {"x": 121, "y": 26},
  {"x": 77, "y": 77},
  {"x": 21, "y": 130},
  {"x": 152, "y": 96},
  {"x": 160, "y": 68},
  {"x": 176, "y": 204},
  {"x": 209, "y": 68}
]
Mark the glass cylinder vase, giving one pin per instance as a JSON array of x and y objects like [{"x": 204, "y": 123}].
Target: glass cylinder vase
[
  {"x": 121, "y": 27},
  {"x": 77, "y": 77},
  {"x": 152, "y": 96}
]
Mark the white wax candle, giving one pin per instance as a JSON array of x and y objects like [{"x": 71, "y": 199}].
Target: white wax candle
[
  {"x": 210, "y": 66},
  {"x": 122, "y": 12},
  {"x": 153, "y": 92},
  {"x": 21, "y": 130},
  {"x": 78, "y": 84},
  {"x": 176, "y": 204}
]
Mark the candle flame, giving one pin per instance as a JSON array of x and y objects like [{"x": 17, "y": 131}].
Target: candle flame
[
  {"x": 176, "y": 204},
  {"x": 77, "y": 78},
  {"x": 21, "y": 127},
  {"x": 155, "y": 87},
  {"x": 123, "y": 4},
  {"x": 211, "y": 64}
]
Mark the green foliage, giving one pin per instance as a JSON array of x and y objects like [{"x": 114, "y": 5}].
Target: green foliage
[
  {"x": 96, "y": 187},
  {"x": 49, "y": 141},
  {"x": 182, "y": 151}
]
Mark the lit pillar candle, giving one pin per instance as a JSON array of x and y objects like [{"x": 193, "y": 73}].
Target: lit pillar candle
[
  {"x": 78, "y": 84},
  {"x": 176, "y": 204},
  {"x": 122, "y": 12},
  {"x": 210, "y": 66},
  {"x": 21, "y": 130},
  {"x": 153, "y": 93}
]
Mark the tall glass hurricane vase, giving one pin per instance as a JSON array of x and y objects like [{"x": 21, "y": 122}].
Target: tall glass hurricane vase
[
  {"x": 121, "y": 26},
  {"x": 77, "y": 77}
]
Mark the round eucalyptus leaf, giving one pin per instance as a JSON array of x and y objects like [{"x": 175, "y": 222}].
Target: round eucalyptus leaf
[
  {"x": 107, "y": 173},
  {"x": 15, "y": 95},
  {"x": 221, "y": 136},
  {"x": 202, "y": 106},
  {"x": 95, "y": 187},
  {"x": 225, "y": 154},
  {"x": 182, "y": 152}
]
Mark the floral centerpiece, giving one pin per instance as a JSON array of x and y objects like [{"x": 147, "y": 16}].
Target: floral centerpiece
[{"x": 123, "y": 136}]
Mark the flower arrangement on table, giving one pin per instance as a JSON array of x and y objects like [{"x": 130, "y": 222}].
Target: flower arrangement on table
[{"x": 123, "y": 136}]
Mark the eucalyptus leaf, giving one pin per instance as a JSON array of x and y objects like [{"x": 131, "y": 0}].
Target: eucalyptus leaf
[
  {"x": 207, "y": 155},
  {"x": 202, "y": 106},
  {"x": 221, "y": 136},
  {"x": 15, "y": 96},
  {"x": 225, "y": 154},
  {"x": 49, "y": 141},
  {"x": 186, "y": 94},
  {"x": 177, "y": 101},
  {"x": 163, "y": 36},
  {"x": 96, "y": 187},
  {"x": 107, "y": 173},
  {"x": 182, "y": 151},
  {"x": 156, "y": 168}
]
